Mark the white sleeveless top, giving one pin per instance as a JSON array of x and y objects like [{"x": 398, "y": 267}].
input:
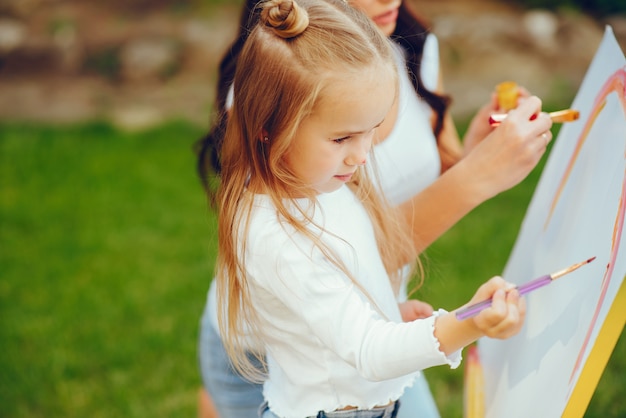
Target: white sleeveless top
[{"x": 407, "y": 159}]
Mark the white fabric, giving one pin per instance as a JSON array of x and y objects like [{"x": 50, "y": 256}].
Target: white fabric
[
  {"x": 407, "y": 159},
  {"x": 327, "y": 345}
]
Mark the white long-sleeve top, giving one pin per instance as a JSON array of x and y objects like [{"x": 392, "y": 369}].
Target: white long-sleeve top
[{"x": 327, "y": 346}]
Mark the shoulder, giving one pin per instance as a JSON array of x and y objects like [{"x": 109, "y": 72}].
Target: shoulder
[
  {"x": 281, "y": 256},
  {"x": 430, "y": 63},
  {"x": 429, "y": 57},
  {"x": 431, "y": 47},
  {"x": 271, "y": 237},
  {"x": 265, "y": 225}
]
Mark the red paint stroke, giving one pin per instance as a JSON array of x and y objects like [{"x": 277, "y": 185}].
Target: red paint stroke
[{"x": 615, "y": 83}]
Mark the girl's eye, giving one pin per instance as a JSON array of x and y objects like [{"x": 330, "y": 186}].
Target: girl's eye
[{"x": 340, "y": 140}]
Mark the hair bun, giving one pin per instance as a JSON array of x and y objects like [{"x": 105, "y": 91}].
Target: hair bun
[{"x": 286, "y": 18}]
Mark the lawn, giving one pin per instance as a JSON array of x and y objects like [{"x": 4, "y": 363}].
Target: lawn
[{"x": 106, "y": 252}]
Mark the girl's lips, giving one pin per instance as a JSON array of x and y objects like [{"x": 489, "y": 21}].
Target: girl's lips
[
  {"x": 344, "y": 177},
  {"x": 386, "y": 18}
]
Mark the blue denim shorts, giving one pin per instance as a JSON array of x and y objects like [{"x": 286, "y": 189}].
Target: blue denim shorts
[
  {"x": 389, "y": 411},
  {"x": 233, "y": 396}
]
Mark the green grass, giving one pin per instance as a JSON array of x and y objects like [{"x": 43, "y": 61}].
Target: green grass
[
  {"x": 106, "y": 255},
  {"x": 105, "y": 265}
]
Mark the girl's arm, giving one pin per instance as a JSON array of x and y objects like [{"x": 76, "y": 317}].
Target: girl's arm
[{"x": 308, "y": 295}]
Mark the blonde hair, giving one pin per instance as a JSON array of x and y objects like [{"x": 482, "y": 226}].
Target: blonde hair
[{"x": 291, "y": 55}]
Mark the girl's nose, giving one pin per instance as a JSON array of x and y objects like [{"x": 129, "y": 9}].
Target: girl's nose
[{"x": 358, "y": 154}]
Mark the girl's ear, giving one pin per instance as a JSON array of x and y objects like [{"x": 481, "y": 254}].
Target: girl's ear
[{"x": 264, "y": 138}]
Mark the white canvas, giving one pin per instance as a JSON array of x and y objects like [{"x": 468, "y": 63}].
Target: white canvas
[{"x": 576, "y": 213}]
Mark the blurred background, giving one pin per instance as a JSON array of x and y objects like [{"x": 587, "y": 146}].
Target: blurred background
[
  {"x": 106, "y": 243},
  {"x": 136, "y": 62}
]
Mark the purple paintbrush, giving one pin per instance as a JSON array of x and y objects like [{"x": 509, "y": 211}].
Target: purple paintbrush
[{"x": 474, "y": 309}]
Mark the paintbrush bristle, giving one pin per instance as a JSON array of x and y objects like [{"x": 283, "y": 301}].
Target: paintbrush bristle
[
  {"x": 567, "y": 115},
  {"x": 560, "y": 116},
  {"x": 571, "y": 268}
]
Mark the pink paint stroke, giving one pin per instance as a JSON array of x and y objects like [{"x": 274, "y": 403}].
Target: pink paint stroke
[{"x": 615, "y": 83}]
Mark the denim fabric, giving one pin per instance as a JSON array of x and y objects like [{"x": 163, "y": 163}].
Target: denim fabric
[
  {"x": 418, "y": 401},
  {"x": 390, "y": 411},
  {"x": 233, "y": 396}
]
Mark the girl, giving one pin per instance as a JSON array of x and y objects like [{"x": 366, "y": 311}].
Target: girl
[
  {"x": 415, "y": 144},
  {"x": 310, "y": 256}
]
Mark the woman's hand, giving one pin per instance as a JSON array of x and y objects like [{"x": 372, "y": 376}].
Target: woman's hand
[
  {"x": 510, "y": 152},
  {"x": 480, "y": 127},
  {"x": 502, "y": 160},
  {"x": 415, "y": 309}
]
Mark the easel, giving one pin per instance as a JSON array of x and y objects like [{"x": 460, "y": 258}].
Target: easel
[{"x": 474, "y": 395}]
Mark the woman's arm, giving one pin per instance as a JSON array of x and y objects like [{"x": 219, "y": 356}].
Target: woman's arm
[
  {"x": 502, "y": 160},
  {"x": 448, "y": 142}
]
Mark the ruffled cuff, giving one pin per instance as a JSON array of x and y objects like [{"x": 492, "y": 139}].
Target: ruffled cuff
[{"x": 455, "y": 358}]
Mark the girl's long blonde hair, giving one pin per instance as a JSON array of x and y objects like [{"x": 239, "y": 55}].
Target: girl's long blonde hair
[{"x": 287, "y": 62}]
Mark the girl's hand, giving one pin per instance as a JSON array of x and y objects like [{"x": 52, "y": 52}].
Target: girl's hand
[
  {"x": 509, "y": 153},
  {"x": 503, "y": 319},
  {"x": 480, "y": 127},
  {"x": 414, "y": 309},
  {"x": 506, "y": 315}
]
